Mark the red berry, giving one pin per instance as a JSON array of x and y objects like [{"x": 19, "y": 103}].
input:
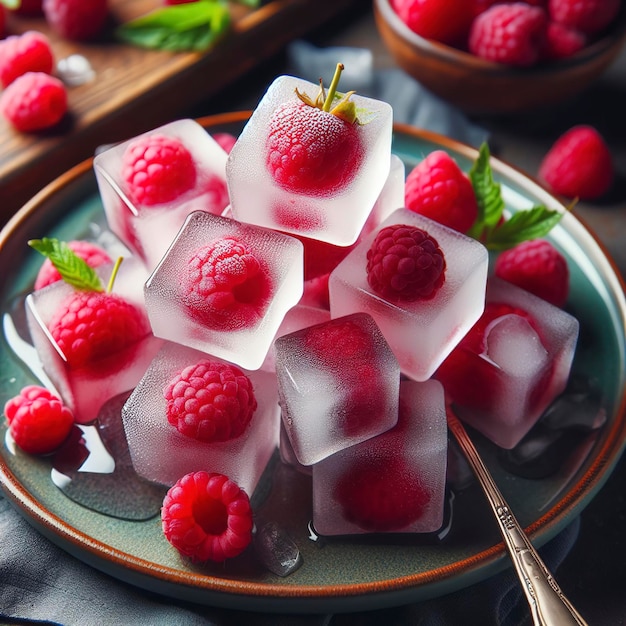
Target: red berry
[
  {"x": 310, "y": 151},
  {"x": 157, "y": 169},
  {"x": 210, "y": 401},
  {"x": 29, "y": 52},
  {"x": 217, "y": 198},
  {"x": 3, "y": 19},
  {"x": 579, "y": 164},
  {"x": 34, "y": 101},
  {"x": 207, "y": 517},
  {"x": 536, "y": 266},
  {"x": 339, "y": 341},
  {"x": 562, "y": 41},
  {"x": 438, "y": 189},
  {"x": 92, "y": 254},
  {"x": 38, "y": 421},
  {"x": 76, "y": 19},
  {"x": 510, "y": 33},
  {"x": 29, "y": 7},
  {"x": 225, "y": 140},
  {"x": 316, "y": 292},
  {"x": 587, "y": 16},
  {"x": 405, "y": 263}
]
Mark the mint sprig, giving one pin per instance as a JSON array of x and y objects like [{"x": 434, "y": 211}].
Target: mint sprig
[{"x": 74, "y": 270}]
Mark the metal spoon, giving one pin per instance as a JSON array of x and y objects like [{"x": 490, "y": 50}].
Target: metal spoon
[{"x": 548, "y": 604}]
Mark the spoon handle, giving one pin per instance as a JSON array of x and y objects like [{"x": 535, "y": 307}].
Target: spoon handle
[{"x": 548, "y": 604}]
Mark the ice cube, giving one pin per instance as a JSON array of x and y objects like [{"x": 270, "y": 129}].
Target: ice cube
[
  {"x": 423, "y": 332},
  {"x": 338, "y": 385},
  {"x": 228, "y": 287},
  {"x": 160, "y": 453},
  {"x": 333, "y": 211},
  {"x": 394, "y": 482}
]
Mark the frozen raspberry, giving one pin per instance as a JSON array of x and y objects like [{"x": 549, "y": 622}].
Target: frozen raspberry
[
  {"x": 29, "y": 52},
  {"x": 210, "y": 401},
  {"x": 587, "y": 16},
  {"x": 562, "y": 42},
  {"x": 579, "y": 164},
  {"x": 29, "y": 7},
  {"x": 38, "y": 421},
  {"x": 207, "y": 517},
  {"x": 339, "y": 341},
  {"x": 156, "y": 169},
  {"x": 536, "y": 266},
  {"x": 92, "y": 254},
  {"x": 437, "y": 188},
  {"x": 217, "y": 198},
  {"x": 511, "y": 33},
  {"x": 405, "y": 263},
  {"x": 34, "y": 101},
  {"x": 79, "y": 20},
  {"x": 227, "y": 286},
  {"x": 225, "y": 140}
]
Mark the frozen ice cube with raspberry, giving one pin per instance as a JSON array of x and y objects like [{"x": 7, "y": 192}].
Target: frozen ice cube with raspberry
[
  {"x": 422, "y": 282},
  {"x": 150, "y": 183},
  {"x": 227, "y": 286},
  {"x": 512, "y": 364},
  {"x": 394, "y": 482},
  {"x": 192, "y": 411},
  {"x": 338, "y": 385},
  {"x": 301, "y": 169}
]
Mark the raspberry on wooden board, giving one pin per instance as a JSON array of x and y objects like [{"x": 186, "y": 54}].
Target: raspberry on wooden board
[{"x": 28, "y": 52}]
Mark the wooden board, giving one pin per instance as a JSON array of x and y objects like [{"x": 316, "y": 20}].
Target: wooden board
[{"x": 135, "y": 89}]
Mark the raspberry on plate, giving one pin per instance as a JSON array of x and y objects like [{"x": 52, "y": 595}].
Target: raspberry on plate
[
  {"x": 587, "y": 16},
  {"x": 404, "y": 263},
  {"x": 38, "y": 420},
  {"x": 34, "y": 101},
  {"x": 210, "y": 401},
  {"x": 536, "y": 266},
  {"x": 438, "y": 189},
  {"x": 579, "y": 164},
  {"x": 29, "y": 52},
  {"x": 207, "y": 517},
  {"x": 79, "y": 20}
]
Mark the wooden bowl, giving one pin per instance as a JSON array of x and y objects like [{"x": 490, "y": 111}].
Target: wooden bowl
[{"x": 483, "y": 87}]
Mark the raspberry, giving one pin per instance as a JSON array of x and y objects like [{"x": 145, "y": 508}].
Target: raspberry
[
  {"x": 587, "y": 16},
  {"x": 38, "y": 421},
  {"x": 405, "y": 263},
  {"x": 536, "y": 266},
  {"x": 156, "y": 169},
  {"x": 29, "y": 52},
  {"x": 29, "y": 7},
  {"x": 562, "y": 41},
  {"x": 207, "y": 517},
  {"x": 227, "y": 287},
  {"x": 210, "y": 401},
  {"x": 34, "y": 101},
  {"x": 511, "y": 33},
  {"x": 225, "y": 140},
  {"x": 217, "y": 198},
  {"x": 339, "y": 341},
  {"x": 76, "y": 19},
  {"x": 91, "y": 326},
  {"x": 438, "y": 189},
  {"x": 92, "y": 254},
  {"x": 579, "y": 164}
]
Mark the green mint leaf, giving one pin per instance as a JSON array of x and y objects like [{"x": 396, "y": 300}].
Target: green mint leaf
[
  {"x": 192, "y": 26},
  {"x": 488, "y": 193},
  {"x": 521, "y": 226},
  {"x": 74, "y": 270}
]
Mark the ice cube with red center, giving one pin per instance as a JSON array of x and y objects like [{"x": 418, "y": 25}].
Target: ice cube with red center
[
  {"x": 338, "y": 385},
  {"x": 151, "y": 182},
  {"x": 511, "y": 365},
  {"x": 224, "y": 288},
  {"x": 394, "y": 482}
]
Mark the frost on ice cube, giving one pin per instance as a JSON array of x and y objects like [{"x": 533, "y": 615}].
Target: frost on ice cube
[
  {"x": 512, "y": 364},
  {"x": 394, "y": 482},
  {"x": 338, "y": 385},
  {"x": 280, "y": 174},
  {"x": 421, "y": 333},
  {"x": 161, "y": 453},
  {"x": 150, "y": 183},
  {"x": 224, "y": 288}
]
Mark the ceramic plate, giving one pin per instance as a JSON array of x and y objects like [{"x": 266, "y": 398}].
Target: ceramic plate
[{"x": 342, "y": 573}]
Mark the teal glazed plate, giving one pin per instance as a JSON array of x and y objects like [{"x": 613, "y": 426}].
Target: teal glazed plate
[{"x": 338, "y": 574}]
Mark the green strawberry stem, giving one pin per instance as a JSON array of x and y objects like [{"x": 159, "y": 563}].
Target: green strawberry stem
[
  {"x": 116, "y": 269},
  {"x": 332, "y": 90}
]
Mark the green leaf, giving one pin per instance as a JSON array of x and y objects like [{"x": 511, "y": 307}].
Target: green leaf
[
  {"x": 488, "y": 193},
  {"x": 11, "y": 4},
  {"x": 250, "y": 3},
  {"x": 74, "y": 270},
  {"x": 523, "y": 225},
  {"x": 192, "y": 26}
]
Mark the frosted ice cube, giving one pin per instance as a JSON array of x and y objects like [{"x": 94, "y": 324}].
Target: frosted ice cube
[
  {"x": 148, "y": 227},
  {"x": 512, "y": 364},
  {"x": 228, "y": 287},
  {"x": 338, "y": 385},
  {"x": 394, "y": 482},
  {"x": 421, "y": 333},
  {"x": 160, "y": 453},
  {"x": 333, "y": 215}
]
